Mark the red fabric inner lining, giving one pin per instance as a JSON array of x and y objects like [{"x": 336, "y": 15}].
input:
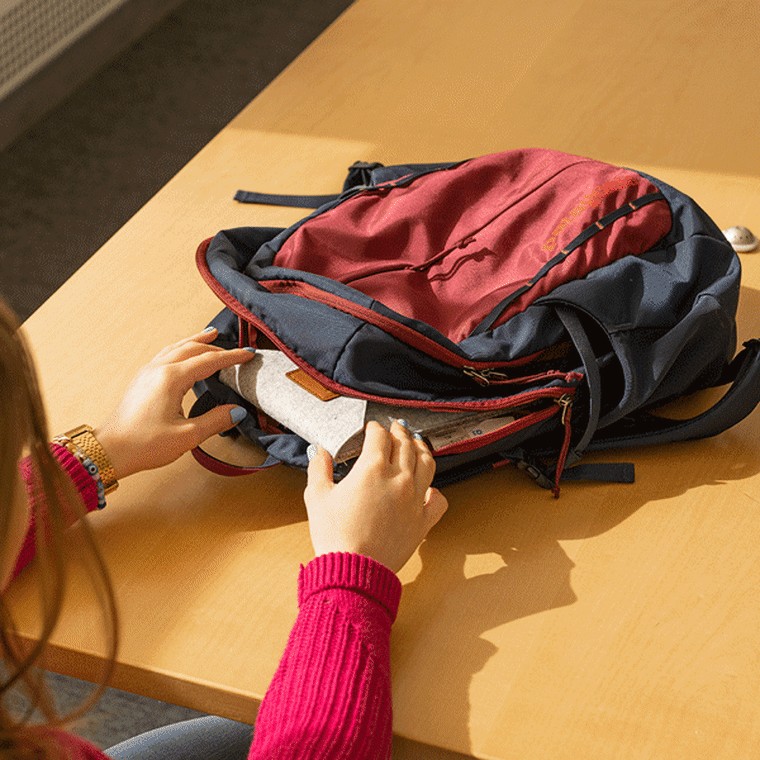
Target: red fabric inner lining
[{"x": 448, "y": 248}]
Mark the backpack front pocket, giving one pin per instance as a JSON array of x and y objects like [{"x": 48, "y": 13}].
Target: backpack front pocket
[{"x": 465, "y": 249}]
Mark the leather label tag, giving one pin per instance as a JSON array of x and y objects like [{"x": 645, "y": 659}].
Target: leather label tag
[{"x": 309, "y": 384}]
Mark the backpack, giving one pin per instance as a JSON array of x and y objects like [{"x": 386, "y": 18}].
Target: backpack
[{"x": 566, "y": 296}]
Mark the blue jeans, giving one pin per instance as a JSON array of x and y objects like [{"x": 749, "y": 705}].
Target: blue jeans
[{"x": 206, "y": 738}]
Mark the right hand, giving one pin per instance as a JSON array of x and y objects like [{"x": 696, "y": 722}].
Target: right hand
[{"x": 384, "y": 507}]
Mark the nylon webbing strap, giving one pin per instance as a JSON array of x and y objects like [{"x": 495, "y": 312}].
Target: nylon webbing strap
[
  {"x": 601, "y": 472},
  {"x": 593, "y": 378},
  {"x": 296, "y": 201},
  {"x": 740, "y": 399}
]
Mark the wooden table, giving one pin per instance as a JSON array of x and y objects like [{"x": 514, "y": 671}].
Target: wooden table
[{"x": 619, "y": 621}]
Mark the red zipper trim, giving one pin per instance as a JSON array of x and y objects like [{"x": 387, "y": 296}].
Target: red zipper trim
[
  {"x": 399, "y": 330},
  {"x": 551, "y": 373},
  {"x": 386, "y": 324},
  {"x": 496, "y": 435},
  {"x": 487, "y": 404},
  {"x": 391, "y": 326}
]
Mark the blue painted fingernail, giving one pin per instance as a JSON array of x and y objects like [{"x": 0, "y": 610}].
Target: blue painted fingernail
[
  {"x": 237, "y": 413},
  {"x": 250, "y": 349},
  {"x": 417, "y": 436},
  {"x": 209, "y": 329},
  {"x": 403, "y": 423},
  {"x": 311, "y": 452}
]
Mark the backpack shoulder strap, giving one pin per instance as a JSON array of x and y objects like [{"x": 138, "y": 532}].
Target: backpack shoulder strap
[{"x": 742, "y": 397}]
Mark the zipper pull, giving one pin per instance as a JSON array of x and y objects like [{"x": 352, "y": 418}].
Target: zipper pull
[
  {"x": 565, "y": 402},
  {"x": 484, "y": 376},
  {"x": 478, "y": 376}
]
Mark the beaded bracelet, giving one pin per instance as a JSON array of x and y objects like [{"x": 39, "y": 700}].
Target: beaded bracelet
[
  {"x": 92, "y": 468},
  {"x": 94, "y": 472},
  {"x": 70, "y": 441}
]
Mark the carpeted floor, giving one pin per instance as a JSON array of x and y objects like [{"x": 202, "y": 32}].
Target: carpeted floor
[
  {"x": 70, "y": 182},
  {"x": 74, "y": 179}
]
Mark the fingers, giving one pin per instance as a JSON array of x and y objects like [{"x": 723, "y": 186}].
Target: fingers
[
  {"x": 377, "y": 447},
  {"x": 205, "y": 364},
  {"x": 212, "y": 423},
  {"x": 194, "y": 345},
  {"x": 204, "y": 337},
  {"x": 425, "y": 461},
  {"x": 404, "y": 454},
  {"x": 400, "y": 449},
  {"x": 187, "y": 350},
  {"x": 320, "y": 472}
]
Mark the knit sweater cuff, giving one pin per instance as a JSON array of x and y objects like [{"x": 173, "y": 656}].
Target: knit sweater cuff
[
  {"x": 74, "y": 469},
  {"x": 82, "y": 480},
  {"x": 353, "y": 572}
]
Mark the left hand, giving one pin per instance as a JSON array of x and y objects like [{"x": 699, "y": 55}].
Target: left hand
[{"x": 149, "y": 429}]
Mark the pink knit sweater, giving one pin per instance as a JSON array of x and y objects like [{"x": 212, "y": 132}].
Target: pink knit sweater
[{"x": 331, "y": 694}]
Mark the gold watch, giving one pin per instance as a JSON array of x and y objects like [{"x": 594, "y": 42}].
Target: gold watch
[{"x": 82, "y": 440}]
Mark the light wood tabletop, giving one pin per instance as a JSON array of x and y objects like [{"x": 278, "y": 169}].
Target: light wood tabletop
[{"x": 621, "y": 621}]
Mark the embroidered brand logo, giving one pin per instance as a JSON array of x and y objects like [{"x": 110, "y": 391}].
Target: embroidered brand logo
[{"x": 594, "y": 198}]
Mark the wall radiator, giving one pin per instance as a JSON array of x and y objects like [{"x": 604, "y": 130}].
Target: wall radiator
[
  {"x": 49, "y": 47},
  {"x": 35, "y": 32}
]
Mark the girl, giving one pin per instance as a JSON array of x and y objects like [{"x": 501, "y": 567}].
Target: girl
[{"x": 330, "y": 697}]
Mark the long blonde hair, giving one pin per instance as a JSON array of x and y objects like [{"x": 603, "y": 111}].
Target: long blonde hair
[{"x": 24, "y": 432}]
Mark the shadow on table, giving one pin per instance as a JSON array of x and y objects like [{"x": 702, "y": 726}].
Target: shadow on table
[
  {"x": 532, "y": 572},
  {"x": 533, "y": 575}
]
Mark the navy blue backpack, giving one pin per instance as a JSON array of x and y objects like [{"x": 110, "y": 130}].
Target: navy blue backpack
[{"x": 575, "y": 295}]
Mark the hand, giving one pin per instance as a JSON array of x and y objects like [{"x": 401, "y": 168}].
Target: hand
[
  {"x": 384, "y": 507},
  {"x": 149, "y": 429}
]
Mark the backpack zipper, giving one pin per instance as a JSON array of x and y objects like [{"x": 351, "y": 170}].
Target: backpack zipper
[
  {"x": 397, "y": 329},
  {"x": 483, "y": 373},
  {"x": 483, "y": 377},
  {"x": 565, "y": 403},
  {"x": 519, "y": 399},
  {"x": 461, "y": 447},
  {"x": 490, "y": 376}
]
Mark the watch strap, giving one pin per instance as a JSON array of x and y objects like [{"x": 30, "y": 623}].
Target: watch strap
[{"x": 81, "y": 441}]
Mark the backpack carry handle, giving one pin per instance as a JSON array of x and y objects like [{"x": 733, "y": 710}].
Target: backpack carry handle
[
  {"x": 220, "y": 467},
  {"x": 202, "y": 404},
  {"x": 359, "y": 175},
  {"x": 740, "y": 399},
  {"x": 294, "y": 201}
]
